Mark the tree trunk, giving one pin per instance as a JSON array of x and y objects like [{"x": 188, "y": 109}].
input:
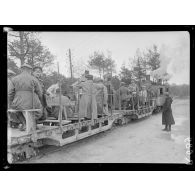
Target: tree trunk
[
  {"x": 21, "y": 34},
  {"x": 100, "y": 72}
]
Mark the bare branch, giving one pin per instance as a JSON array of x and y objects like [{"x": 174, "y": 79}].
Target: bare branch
[
  {"x": 14, "y": 35},
  {"x": 27, "y": 45},
  {"x": 14, "y": 50}
]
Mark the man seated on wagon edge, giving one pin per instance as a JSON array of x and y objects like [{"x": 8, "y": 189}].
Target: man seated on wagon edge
[{"x": 25, "y": 93}]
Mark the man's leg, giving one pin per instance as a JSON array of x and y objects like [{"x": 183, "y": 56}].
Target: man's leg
[
  {"x": 165, "y": 129},
  {"x": 169, "y": 128},
  {"x": 22, "y": 120}
]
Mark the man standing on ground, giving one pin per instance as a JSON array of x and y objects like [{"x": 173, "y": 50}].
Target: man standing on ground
[{"x": 167, "y": 116}]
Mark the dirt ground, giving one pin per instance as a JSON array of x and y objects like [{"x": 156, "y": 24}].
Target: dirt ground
[{"x": 141, "y": 141}]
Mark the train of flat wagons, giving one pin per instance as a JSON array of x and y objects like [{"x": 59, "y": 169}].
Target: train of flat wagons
[{"x": 24, "y": 145}]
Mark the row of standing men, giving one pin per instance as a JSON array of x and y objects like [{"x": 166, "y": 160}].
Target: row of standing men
[{"x": 27, "y": 91}]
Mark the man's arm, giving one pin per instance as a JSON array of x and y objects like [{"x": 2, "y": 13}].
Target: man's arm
[{"x": 38, "y": 90}]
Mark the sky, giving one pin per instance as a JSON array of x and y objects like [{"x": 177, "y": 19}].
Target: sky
[{"x": 172, "y": 45}]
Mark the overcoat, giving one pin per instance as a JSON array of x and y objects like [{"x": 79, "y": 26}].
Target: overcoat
[
  {"x": 102, "y": 99},
  {"x": 20, "y": 93},
  {"x": 167, "y": 116},
  {"x": 124, "y": 93},
  {"x": 110, "y": 90},
  {"x": 88, "y": 104}
]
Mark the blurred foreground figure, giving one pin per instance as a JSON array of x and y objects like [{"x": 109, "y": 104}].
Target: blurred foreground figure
[
  {"x": 167, "y": 116},
  {"x": 25, "y": 93},
  {"x": 10, "y": 75},
  {"x": 88, "y": 104},
  {"x": 102, "y": 98},
  {"x": 13, "y": 121}
]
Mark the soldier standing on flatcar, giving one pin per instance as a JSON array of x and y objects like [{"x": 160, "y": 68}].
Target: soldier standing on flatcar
[
  {"x": 102, "y": 98},
  {"x": 167, "y": 116},
  {"x": 134, "y": 91},
  {"x": 110, "y": 89},
  {"x": 25, "y": 93},
  {"x": 124, "y": 95},
  {"x": 88, "y": 104}
]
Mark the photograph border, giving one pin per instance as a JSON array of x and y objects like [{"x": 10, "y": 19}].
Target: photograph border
[{"x": 91, "y": 166}]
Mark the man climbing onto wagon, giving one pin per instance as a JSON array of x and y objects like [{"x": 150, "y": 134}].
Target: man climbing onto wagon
[{"x": 25, "y": 93}]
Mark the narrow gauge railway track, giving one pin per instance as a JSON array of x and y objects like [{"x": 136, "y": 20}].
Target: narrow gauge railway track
[{"x": 119, "y": 118}]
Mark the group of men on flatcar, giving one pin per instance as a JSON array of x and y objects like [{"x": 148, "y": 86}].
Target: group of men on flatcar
[{"x": 94, "y": 98}]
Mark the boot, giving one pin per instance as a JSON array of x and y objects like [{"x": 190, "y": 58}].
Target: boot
[
  {"x": 22, "y": 127},
  {"x": 169, "y": 128},
  {"x": 165, "y": 129}
]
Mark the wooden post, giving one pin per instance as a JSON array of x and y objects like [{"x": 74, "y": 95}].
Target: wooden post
[
  {"x": 60, "y": 98},
  {"x": 102, "y": 100},
  {"x": 133, "y": 102},
  {"x": 70, "y": 64},
  {"x": 119, "y": 99}
]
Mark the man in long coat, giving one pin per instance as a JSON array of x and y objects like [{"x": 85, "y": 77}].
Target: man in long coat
[
  {"x": 25, "y": 93},
  {"x": 167, "y": 116},
  {"x": 110, "y": 90},
  {"x": 102, "y": 98},
  {"x": 124, "y": 96},
  {"x": 88, "y": 104},
  {"x": 134, "y": 91}
]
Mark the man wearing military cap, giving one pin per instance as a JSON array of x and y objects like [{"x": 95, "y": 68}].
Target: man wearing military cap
[
  {"x": 25, "y": 93},
  {"x": 88, "y": 104},
  {"x": 167, "y": 116}
]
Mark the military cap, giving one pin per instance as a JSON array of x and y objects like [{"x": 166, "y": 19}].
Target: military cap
[
  {"x": 122, "y": 83},
  {"x": 37, "y": 67},
  {"x": 26, "y": 65},
  {"x": 86, "y": 72},
  {"x": 10, "y": 72}
]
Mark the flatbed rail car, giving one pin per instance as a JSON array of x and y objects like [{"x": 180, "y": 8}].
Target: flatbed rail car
[{"x": 24, "y": 145}]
